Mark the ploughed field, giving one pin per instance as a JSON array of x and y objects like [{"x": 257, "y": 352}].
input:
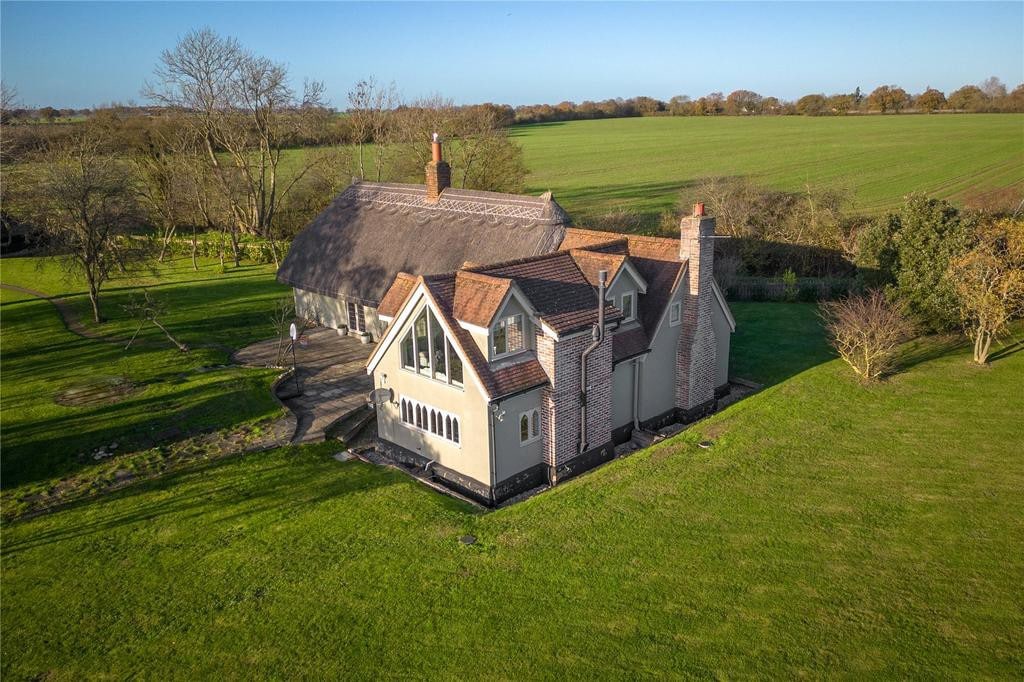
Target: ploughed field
[
  {"x": 831, "y": 529},
  {"x": 641, "y": 164}
]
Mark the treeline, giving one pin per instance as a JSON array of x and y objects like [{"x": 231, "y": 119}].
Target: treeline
[{"x": 991, "y": 96}]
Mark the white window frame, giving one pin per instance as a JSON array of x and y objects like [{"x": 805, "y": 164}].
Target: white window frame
[
  {"x": 522, "y": 327},
  {"x": 533, "y": 438},
  {"x": 411, "y": 425},
  {"x": 676, "y": 308},
  {"x": 632, "y": 313},
  {"x": 449, "y": 350}
]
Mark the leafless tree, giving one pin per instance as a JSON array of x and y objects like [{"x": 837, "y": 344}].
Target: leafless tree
[
  {"x": 148, "y": 309},
  {"x": 866, "y": 331},
  {"x": 371, "y": 106},
  {"x": 163, "y": 179},
  {"x": 245, "y": 114},
  {"x": 85, "y": 202}
]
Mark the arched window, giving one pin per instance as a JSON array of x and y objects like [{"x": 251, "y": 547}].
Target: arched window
[
  {"x": 448, "y": 428},
  {"x": 535, "y": 426},
  {"x": 455, "y": 430},
  {"x": 419, "y": 416},
  {"x": 405, "y": 411},
  {"x": 433, "y": 421},
  {"x": 524, "y": 428}
]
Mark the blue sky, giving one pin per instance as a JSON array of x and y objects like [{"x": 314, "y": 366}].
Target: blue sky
[{"x": 83, "y": 53}]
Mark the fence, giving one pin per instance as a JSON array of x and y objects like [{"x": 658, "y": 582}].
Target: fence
[{"x": 807, "y": 289}]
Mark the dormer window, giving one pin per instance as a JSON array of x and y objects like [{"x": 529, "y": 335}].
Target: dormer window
[
  {"x": 507, "y": 336},
  {"x": 628, "y": 306}
]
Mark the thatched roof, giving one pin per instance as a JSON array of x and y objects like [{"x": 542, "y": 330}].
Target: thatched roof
[{"x": 373, "y": 231}]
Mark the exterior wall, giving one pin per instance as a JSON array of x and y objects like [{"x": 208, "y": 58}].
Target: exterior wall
[
  {"x": 622, "y": 394},
  {"x": 332, "y": 312},
  {"x": 510, "y": 456},
  {"x": 657, "y": 372},
  {"x": 623, "y": 282},
  {"x": 723, "y": 336},
  {"x": 471, "y": 457},
  {"x": 560, "y": 416}
]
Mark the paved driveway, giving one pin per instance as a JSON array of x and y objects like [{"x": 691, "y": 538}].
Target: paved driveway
[{"x": 332, "y": 378}]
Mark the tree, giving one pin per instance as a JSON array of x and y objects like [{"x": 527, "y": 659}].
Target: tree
[
  {"x": 370, "y": 107},
  {"x": 163, "y": 179},
  {"x": 930, "y": 234},
  {"x": 85, "y": 202},
  {"x": 988, "y": 281},
  {"x": 743, "y": 102},
  {"x": 812, "y": 105},
  {"x": 245, "y": 114},
  {"x": 888, "y": 98},
  {"x": 841, "y": 104},
  {"x": 967, "y": 98},
  {"x": 993, "y": 88},
  {"x": 866, "y": 331},
  {"x": 930, "y": 100},
  {"x": 48, "y": 113},
  {"x": 149, "y": 309}
]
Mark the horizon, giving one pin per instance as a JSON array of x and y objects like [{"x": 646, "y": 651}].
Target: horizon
[{"x": 82, "y": 55}]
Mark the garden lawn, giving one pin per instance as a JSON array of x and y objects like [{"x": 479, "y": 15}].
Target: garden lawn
[
  {"x": 44, "y": 441},
  {"x": 642, "y": 164},
  {"x": 831, "y": 530}
]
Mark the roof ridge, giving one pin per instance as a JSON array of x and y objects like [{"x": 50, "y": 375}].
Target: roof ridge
[
  {"x": 481, "y": 277},
  {"x": 516, "y": 261}
]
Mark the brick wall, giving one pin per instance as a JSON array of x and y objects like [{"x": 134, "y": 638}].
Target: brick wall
[
  {"x": 439, "y": 177},
  {"x": 560, "y": 402},
  {"x": 695, "y": 356}
]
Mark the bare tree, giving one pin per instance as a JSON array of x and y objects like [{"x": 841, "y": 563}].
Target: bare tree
[
  {"x": 866, "y": 331},
  {"x": 163, "y": 180},
  {"x": 85, "y": 202},
  {"x": 149, "y": 310},
  {"x": 370, "y": 111},
  {"x": 245, "y": 115}
]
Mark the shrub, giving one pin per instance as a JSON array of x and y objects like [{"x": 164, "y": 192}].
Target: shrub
[
  {"x": 866, "y": 331},
  {"x": 807, "y": 292},
  {"x": 789, "y": 286}
]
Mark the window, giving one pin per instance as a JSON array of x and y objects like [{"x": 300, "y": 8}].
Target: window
[
  {"x": 422, "y": 344},
  {"x": 454, "y": 366},
  {"x": 507, "y": 335},
  {"x": 628, "y": 306},
  {"x": 356, "y": 317},
  {"x": 675, "y": 314},
  {"x": 437, "y": 349},
  {"x": 426, "y": 349},
  {"x": 408, "y": 352},
  {"x": 529, "y": 427},
  {"x": 430, "y": 420}
]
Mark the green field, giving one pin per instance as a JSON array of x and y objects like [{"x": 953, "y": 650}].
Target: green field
[
  {"x": 642, "y": 164},
  {"x": 831, "y": 530}
]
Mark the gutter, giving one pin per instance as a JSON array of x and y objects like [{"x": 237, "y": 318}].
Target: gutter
[{"x": 598, "y": 336}]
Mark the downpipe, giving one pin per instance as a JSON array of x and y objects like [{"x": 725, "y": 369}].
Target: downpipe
[{"x": 598, "y": 336}]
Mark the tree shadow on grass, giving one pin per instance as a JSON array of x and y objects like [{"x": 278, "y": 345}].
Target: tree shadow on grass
[
  {"x": 285, "y": 487},
  {"x": 1006, "y": 351},
  {"x": 925, "y": 349}
]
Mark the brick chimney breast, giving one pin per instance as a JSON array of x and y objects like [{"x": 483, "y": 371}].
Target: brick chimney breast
[
  {"x": 438, "y": 172},
  {"x": 695, "y": 356}
]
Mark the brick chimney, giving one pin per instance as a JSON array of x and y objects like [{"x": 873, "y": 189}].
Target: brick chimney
[
  {"x": 695, "y": 356},
  {"x": 439, "y": 173}
]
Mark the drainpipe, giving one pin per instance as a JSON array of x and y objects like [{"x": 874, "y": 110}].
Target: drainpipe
[
  {"x": 492, "y": 444},
  {"x": 598, "y": 336},
  {"x": 636, "y": 394}
]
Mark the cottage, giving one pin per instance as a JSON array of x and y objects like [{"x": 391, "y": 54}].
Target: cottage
[
  {"x": 503, "y": 377},
  {"x": 342, "y": 263}
]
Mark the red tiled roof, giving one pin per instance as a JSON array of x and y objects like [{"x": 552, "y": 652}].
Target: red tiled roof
[
  {"x": 396, "y": 294},
  {"x": 591, "y": 263},
  {"x": 477, "y": 297}
]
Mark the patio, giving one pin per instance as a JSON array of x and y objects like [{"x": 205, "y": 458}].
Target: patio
[{"x": 331, "y": 376}]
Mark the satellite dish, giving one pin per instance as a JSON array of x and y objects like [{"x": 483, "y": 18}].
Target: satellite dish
[
  {"x": 380, "y": 396},
  {"x": 293, "y": 332}
]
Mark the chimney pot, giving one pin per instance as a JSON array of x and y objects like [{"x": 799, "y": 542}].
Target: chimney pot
[
  {"x": 698, "y": 209},
  {"x": 435, "y": 148}
]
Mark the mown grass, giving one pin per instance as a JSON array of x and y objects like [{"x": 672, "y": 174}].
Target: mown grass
[
  {"x": 831, "y": 530},
  {"x": 44, "y": 441},
  {"x": 642, "y": 164}
]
